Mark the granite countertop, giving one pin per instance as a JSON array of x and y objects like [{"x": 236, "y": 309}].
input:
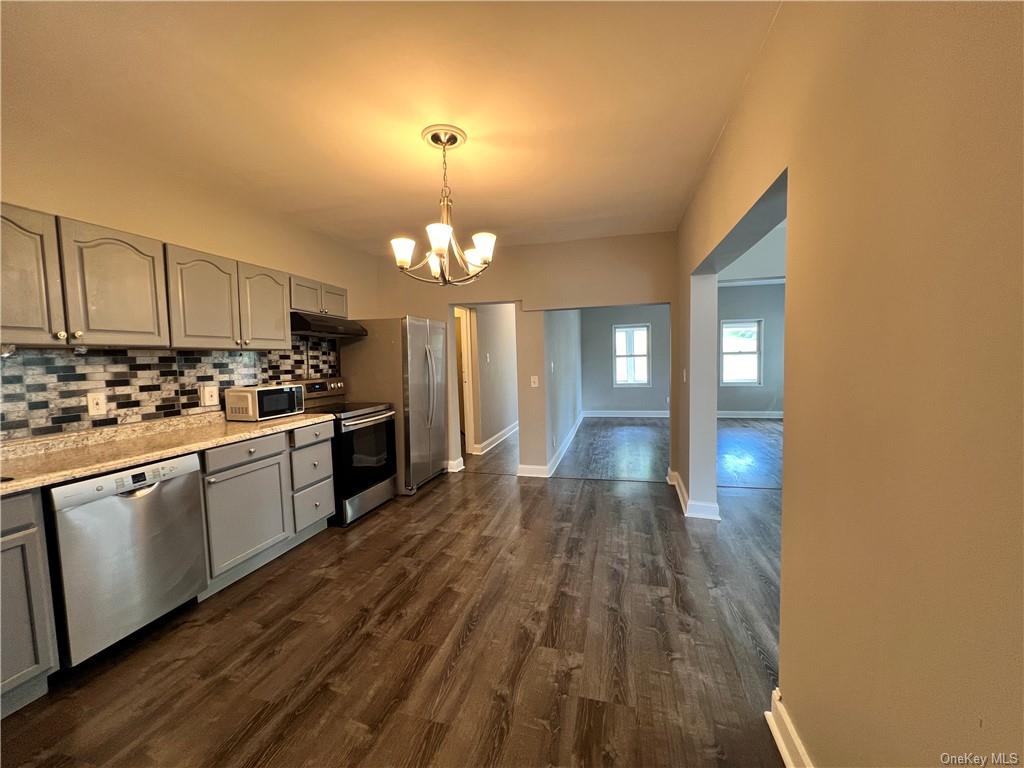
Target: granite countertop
[{"x": 37, "y": 463}]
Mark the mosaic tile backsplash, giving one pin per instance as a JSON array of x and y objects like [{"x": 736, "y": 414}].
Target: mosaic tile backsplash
[{"x": 44, "y": 390}]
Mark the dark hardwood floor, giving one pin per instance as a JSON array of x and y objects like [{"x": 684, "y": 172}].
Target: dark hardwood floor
[
  {"x": 750, "y": 453},
  {"x": 618, "y": 449},
  {"x": 502, "y": 459},
  {"x": 489, "y": 620}
]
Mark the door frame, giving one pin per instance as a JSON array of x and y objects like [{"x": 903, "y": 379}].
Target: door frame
[{"x": 465, "y": 317}]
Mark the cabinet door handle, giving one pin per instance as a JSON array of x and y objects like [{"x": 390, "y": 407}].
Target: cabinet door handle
[
  {"x": 238, "y": 342},
  {"x": 247, "y": 341},
  {"x": 77, "y": 334},
  {"x": 211, "y": 480},
  {"x": 61, "y": 335}
]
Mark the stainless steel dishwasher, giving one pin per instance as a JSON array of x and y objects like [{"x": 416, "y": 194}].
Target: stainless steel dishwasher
[{"x": 130, "y": 549}]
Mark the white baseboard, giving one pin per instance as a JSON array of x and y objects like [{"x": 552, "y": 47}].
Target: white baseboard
[
  {"x": 673, "y": 479},
  {"x": 750, "y": 414},
  {"x": 540, "y": 470},
  {"x": 791, "y": 748},
  {"x": 456, "y": 465},
  {"x": 478, "y": 449},
  {"x": 533, "y": 470},
  {"x": 703, "y": 510},
  {"x": 626, "y": 414}
]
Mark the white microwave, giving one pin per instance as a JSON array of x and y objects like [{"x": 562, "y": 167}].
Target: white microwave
[{"x": 263, "y": 401}]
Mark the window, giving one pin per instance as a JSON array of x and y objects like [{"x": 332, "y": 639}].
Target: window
[
  {"x": 632, "y": 348},
  {"x": 741, "y": 352}
]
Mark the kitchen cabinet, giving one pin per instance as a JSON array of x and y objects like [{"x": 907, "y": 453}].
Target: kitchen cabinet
[
  {"x": 203, "y": 297},
  {"x": 115, "y": 288},
  {"x": 321, "y": 298},
  {"x": 31, "y": 294},
  {"x": 265, "y": 308},
  {"x": 248, "y": 509},
  {"x": 29, "y": 645}
]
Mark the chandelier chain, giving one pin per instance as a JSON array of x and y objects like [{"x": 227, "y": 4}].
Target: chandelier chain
[{"x": 446, "y": 191}]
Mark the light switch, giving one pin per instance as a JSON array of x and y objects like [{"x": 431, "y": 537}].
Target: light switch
[
  {"x": 552, "y": 366},
  {"x": 97, "y": 403},
  {"x": 209, "y": 394},
  {"x": 488, "y": 356},
  {"x": 534, "y": 381}
]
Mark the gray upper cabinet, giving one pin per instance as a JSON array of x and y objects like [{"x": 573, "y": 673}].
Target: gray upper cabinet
[
  {"x": 248, "y": 509},
  {"x": 334, "y": 300},
  {"x": 114, "y": 286},
  {"x": 203, "y": 299},
  {"x": 305, "y": 294},
  {"x": 29, "y": 644},
  {"x": 32, "y": 300},
  {"x": 265, "y": 308},
  {"x": 321, "y": 298}
]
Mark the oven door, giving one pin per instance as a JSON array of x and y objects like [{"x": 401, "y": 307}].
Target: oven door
[
  {"x": 278, "y": 401},
  {"x": 366, "y": 453}
]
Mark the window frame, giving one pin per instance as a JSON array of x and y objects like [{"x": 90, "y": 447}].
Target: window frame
[
  {"x": 615, "y": 356},
  {"x": 760, "y": 352}
]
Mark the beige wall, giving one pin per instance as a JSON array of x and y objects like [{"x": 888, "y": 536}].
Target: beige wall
[
  {"x": 900, "y": 125},
  {"x": 48, "y": 172},
  {"x": 562, "y": 368},
  {"x": 496, "y": 406}
]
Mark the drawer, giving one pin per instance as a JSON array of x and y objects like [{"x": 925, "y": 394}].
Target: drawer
[
  {"x": 311, "y": 464},
  {"x": 316, "y": 433},
  {"x": 314, "y": 504},
  {"x": 250, "y": 450},
  {"x": 21, "y": 511}
]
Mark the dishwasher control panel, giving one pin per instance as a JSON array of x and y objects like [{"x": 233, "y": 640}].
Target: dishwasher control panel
[{"x": 84, "y": 491}]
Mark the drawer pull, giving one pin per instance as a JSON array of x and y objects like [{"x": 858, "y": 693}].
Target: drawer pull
[
  {"x": 316, "y": 504},
  {"x": 316, "y": 464},
  {"x": 316, "y": 434},
  {"x": 211, "y": 480},
  {"x": 252, "y": 451}
]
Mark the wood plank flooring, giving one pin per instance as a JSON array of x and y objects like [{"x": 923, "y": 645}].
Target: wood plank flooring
[
  {"x": 488, "y": 621},
  {"x": 750, "y": 453},
  {"x": 618, "y": 449},
  {"x": 502, "y": 459}
]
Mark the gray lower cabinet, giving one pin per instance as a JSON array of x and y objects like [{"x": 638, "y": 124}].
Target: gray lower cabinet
[
  {"x": 248, "y": 509},
  {"x": 114, "y": 287},
  {"x": 29, "y": 645},
  {"x": 313, "y": 296},
  {"x": 203, "y": 296},
  {"x": 265, "y": 308},
  {"x": 31, "y": 295}
]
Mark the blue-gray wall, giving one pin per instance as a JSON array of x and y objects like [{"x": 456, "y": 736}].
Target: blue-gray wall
[{"x": 755, "y": 302}]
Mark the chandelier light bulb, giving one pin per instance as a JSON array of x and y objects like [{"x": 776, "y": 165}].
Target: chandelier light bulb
[
  {"x": 403, "y": 248},
  {"x": 484, "y": 242},
  {"x": 473, "y": 259},
  {"x": 434, "y": 262},
  {"x": 439, "y": 235}
]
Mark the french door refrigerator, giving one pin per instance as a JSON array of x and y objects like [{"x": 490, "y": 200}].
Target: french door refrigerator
[{"x": 402, "y": 360}]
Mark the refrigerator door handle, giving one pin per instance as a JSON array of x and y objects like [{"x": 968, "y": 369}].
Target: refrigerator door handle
[{"x": 430, "y": 365}]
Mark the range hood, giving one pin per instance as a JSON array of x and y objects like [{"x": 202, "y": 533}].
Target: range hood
[{"x": 312, "y": 324}]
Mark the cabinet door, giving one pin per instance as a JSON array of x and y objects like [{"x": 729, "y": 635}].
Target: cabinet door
[
  {"x": 266, "y": 315},
  {"x": 334, "y": 300},
  {"x": 28, "y": 647},
  {"x": 248, "y": 509},
  {"x": 305, "y": 295},
  {"x": 115, "y": 287},
  {"x": 203, "y": 299},
  {"x": 32, "y": 301}
]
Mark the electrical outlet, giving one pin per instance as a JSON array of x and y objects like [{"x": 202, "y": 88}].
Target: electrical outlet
[
  {"x": 534, "y": 381},
  {"x": 97, "y": 403},
  {"x": 209, "y": 394}
]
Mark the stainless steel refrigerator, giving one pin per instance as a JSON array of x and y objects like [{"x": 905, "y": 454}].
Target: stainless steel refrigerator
[{"x": 402, "y": 360}]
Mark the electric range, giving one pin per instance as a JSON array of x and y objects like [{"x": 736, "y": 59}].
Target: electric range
[{"x": 363, "y": 448}]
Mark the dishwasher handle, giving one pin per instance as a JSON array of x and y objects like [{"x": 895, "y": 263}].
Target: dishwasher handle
[{"x": 138, "y": 493}]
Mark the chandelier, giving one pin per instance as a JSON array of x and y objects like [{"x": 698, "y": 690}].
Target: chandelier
[{"x": 468, "y": 263}]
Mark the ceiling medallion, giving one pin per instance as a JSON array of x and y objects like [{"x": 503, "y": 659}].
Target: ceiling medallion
[{"x": 468, "y": 264}]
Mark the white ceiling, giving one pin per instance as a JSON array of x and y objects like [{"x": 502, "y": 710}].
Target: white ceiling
[{"x": 584, "y": 120}]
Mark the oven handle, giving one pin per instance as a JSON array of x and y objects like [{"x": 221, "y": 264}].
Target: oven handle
[{"x": 350, "y": 426}]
